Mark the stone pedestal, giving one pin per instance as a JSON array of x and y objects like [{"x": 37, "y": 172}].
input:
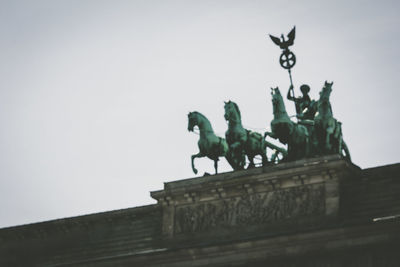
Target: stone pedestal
[{"x": 263, "y": 201}]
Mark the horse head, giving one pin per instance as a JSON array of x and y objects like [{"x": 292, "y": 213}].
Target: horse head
[
  {"x": 232, "y": 112},
  {"x": 281, "y": 125},
  {"x": 277, "y": 103},
  {"x": 324, "y": 105},
  {"x": 325, "y": 92},
  {"x": 197, "y": 119},
  {"x": 192, "y": 120}
]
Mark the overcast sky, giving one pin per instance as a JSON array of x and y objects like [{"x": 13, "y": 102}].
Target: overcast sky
[{"x": 94, "y": 95}]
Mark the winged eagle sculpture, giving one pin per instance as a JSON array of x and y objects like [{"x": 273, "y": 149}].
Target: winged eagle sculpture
[{"x": 284, "y": 44}]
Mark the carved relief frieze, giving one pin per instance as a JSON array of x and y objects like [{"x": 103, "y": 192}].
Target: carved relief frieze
[{"x": 251, "y": 209}]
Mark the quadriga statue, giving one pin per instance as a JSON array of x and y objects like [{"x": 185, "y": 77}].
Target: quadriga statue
[{"x": 308, "y": 138}]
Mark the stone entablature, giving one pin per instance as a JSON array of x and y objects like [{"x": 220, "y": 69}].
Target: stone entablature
[{"x": 289, "y": 193}]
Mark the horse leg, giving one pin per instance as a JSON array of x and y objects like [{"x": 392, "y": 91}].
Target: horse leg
[
  {"x": 230, "y": 160},
  {"x": 263, "y": 152},
  {"x": 264, "y": 159},
  {"x": 230, "y": 157},
  {"x": 251, "y": 164},
  {"x": 237, "y": 156},
  {"x": 274, "y": 156},
  {"x": 338, "y": 138},
  {"x": 198, "y": 155},
  {"x": 329, "y": 132},
  {"x": 327, "y": 140},
  {"x": 216, "y": 166}
]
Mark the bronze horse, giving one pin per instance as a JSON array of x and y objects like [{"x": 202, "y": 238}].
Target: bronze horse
[
  {"x": 244, "y": 142},
  {"x": 210, "y": 145},
  {"x": 328, "y": 130},
  {"x": 296, "y": 136}
]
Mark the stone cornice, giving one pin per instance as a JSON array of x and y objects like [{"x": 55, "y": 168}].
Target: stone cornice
[
  {"x": 266, "y": 178},
  {"x": 67, "y": 225}
]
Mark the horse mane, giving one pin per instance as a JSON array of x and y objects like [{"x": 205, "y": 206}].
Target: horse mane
[
  {"x": 326, "y": 91},
  {"x": 280, "y": 110},
  {"x": 198, "y": 113},
  {"x": 237, "y": 109},
  {"x": 201, "y": 115}
]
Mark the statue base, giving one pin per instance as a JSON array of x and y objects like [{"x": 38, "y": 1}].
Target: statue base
[{"x": 265, "y": 201}]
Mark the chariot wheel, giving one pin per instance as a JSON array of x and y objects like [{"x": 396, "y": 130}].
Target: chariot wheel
[{"x": 287, "y": 60}]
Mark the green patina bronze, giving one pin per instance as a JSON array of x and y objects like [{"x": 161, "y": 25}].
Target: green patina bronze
[
  {"x": 295, "y": 135},
  {"x": 245, "y": 142},
  {"x": 305, "y": 107},
  {"x": 210, "y": 145},
  {"x": 236, "y": 136},
  {"x": 314, "y": 136},
  {"x": 315, "y": 132},
  {"x": 308, "y": 138},
  {"x": 328, "y": 130}
]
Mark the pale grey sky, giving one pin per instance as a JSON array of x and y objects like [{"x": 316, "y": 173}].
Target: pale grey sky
[{"x": 94, "y": 95}]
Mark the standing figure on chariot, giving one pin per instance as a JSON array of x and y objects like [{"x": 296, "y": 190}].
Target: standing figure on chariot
[{"x": 305, "y": 107}]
